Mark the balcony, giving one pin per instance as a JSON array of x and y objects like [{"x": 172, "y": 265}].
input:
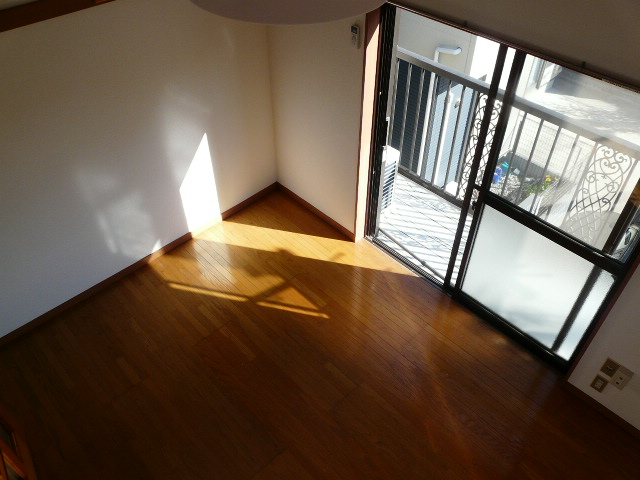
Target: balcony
[
  {"x": 420, "y": 226},
  {"x": 568, "y": 172}
]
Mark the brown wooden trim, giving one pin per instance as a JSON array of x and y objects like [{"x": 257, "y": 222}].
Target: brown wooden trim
[
  {"x": 35, "y": 323},
  {"x": 252, "y": 199},
  {"x": 368, "y": 115},
  {"x": 621, "y": 422},
  {"x": 92, "y": 290},
  {"x": 41, "y": 10},
  {"x": 23, "y": 460},
  {"x": 3, "y": 470},
  {"x": 350, "y": 235}
]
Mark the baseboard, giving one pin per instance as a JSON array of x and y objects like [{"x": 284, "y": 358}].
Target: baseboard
[
  {"x": 622, "y": 423},
  {"x": 350, "y": 235},
  {"x": 233, "y": 210},
  {"x": 252, "y": 199},
  {"x": 35, "y": 323},
  {"x": 93, "y": 290}
]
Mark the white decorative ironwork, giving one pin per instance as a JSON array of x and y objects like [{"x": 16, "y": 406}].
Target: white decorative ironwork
[
  {"x": 598, "y": 193},
  {"x": 563, "y": 173},
  {"x": 472, "y": 144}
]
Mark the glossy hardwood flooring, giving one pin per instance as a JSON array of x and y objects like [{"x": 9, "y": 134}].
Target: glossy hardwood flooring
[{"x": 271, "y": 348}]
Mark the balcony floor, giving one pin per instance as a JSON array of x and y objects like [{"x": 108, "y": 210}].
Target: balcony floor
[{"x": 425, "y": 224}]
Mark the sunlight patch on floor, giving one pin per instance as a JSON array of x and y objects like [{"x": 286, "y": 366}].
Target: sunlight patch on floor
[
  {"x": 298, "y": 244},
  {"x": 282, "y": 297}
]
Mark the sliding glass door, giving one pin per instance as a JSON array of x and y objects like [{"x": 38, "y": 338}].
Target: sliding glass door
[
  {"x": 539, "y": 163},
  {"x": 556, "y": 220},
  {"x": 439, "y": 83}
]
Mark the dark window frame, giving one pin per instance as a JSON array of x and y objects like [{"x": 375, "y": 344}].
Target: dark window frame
[
  {"x": 621, "y": 269},
  {"x": 40, "y": 10}
]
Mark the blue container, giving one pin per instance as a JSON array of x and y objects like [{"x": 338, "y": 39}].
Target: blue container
[{"x": 497, "y": 176}]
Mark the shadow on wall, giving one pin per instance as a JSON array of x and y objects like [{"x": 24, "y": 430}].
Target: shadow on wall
[
  {"x": 127, "y": 213},
  {"x": 123, "y": 119}
]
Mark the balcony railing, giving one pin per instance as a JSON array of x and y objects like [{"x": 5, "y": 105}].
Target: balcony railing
[{"x": 567, "y": 174}]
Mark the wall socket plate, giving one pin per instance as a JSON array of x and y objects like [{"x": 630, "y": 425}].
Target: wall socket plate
[
  {"x": 609, "y": 367},
  {"x": 621, "y": 377},
  {"x": 599, "y": 383}
]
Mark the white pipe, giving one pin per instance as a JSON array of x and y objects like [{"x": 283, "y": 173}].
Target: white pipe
[{"x": 446, "y": 49}]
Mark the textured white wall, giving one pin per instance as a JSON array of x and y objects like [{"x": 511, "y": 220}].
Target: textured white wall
[
  {"x": 618, "y": 338},
  {"x": 102, "y": 114},
  {"x": 316, "y": 76}
]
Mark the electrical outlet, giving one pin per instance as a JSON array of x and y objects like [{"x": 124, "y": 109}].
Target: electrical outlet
[
  {"x": 609, "y": 367},
  {"x": 599, "y": 383},
  {"x": 621, "y": 377}
]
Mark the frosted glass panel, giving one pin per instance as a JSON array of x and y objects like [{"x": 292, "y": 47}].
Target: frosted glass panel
[
  {"x": 530, "y": 281},
  {"x": 585, "y": 316}
]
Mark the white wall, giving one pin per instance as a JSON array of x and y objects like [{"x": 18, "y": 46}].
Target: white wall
[
  {"x": 484, "y": 59},
  {"x": 102, "y": 114},
  {"x": 316, "y": 77},
  {"x": 618, "y": 338}
]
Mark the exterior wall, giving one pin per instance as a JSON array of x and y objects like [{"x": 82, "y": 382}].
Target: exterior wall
[
  {"x": 485, "y": 54},
  {"x": 119, "y": 124},
  {"x": 604, "y": 35},
  {"x": 422, "y": 36}
]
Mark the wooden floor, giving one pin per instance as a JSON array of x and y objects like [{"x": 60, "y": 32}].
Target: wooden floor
[{"x": 272, "y": 348}]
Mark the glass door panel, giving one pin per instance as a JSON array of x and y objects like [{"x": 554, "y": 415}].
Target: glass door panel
[
  {"x": 533, "y": 283},
  {"x": 564, "y": 177},
  {"x": 570, "y": 152},
  {"x": 439, "y": 86}
]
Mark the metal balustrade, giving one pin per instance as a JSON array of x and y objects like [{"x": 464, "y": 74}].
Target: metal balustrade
[{"x": 566, "y": 173}]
